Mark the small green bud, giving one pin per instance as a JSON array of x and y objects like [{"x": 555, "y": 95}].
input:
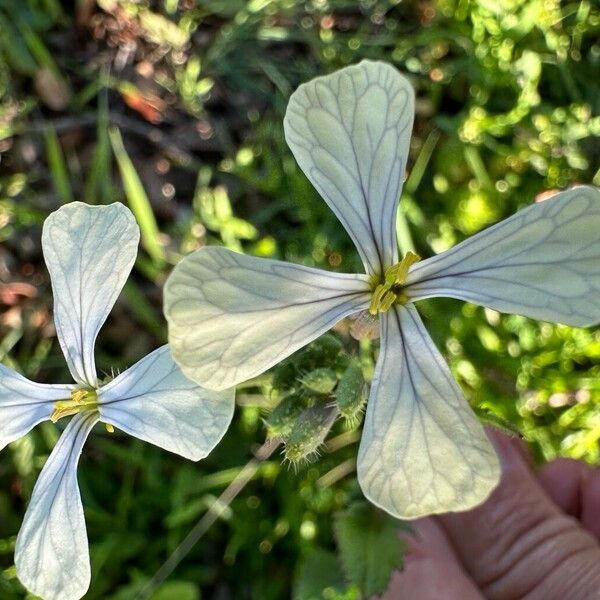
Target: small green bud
[
  {"x": 327, "y": 347},
  {"x": 285, "y": 376},
  {"x": 321, "y": 352},
  {"x": 341, "y": 362},
  {"x": 281, "y": 419},
  {"x": 309, "y": 432},
  {"x": 321, "y": 380},
  {"x": 350, "y": 394}
]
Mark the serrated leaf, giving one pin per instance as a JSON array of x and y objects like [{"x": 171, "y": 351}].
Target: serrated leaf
[
  {"x": 182, "y": 590},
  {"x": 319, "y": 577},
  {"x": 369, "y": 546}
]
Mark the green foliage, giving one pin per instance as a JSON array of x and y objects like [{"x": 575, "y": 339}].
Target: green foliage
[
  {"x": 182, "y": 590},
  {"x": 370, "y": 546},
  {"x": 319, "y": 578}
]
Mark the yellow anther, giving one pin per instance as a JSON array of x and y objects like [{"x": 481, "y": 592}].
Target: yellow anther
[
  {"x": 109, "y": 428},
  {"x": 401, "y": 268},
  {"x": 378, "y": 294},
  {"x": 389, "y": 292},
  {"x": 81, "y": 399},
  {"x": 387, "y": 301}
]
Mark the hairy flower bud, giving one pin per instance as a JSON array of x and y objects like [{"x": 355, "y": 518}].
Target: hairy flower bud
[
  {"x": 350, "y": 395},
  {"x": 322, "y": 380},
  {"x": 309, "y": 432},
  {"x": 280, "y": 421}
]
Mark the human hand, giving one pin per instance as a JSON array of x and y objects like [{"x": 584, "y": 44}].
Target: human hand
[{"x": 536, "y": 537}]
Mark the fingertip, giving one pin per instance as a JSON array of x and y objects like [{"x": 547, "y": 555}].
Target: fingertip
[
  {"x": 431, "y": 567},
  {"x": 511, "y": 449},
  {"x": 427, "y": 539},
  {"x": 563, "y": 480},
  {"x": 590, "y": 503}
]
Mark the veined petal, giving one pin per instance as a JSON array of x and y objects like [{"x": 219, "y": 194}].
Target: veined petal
[
  {"x": 350, "y": 133},
  {"x": 89, "y": 251},
  {"x": 51, "y": 553},
  {"x": 154, "y": 401},
  {"x": 24, "y": 404},
  {"x": 423, "y": 451},
  {"x": 543, "y": 262},
  {"x": 231, "y": 316}
]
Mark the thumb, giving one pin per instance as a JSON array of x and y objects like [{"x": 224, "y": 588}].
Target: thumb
[{"x": 518, "y": 543}]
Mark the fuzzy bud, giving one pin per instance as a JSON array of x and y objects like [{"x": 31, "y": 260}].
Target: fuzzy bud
[
  {"x": 350, "y": 394},
  {"x": 309, "y": 432},
  {"x": 321, "y": 380}
]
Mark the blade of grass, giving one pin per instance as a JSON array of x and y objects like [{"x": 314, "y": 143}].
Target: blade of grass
[
  {"x": 38, "y": 49},
  {"x": 98, "y": 183},
  {"x": 477, "y": 167},
  {"x": 144, "y": 311},
  {"x": 137, "y": 199},
  {"x": 416, "y": 174},
  {"x": 58, "y": 166},
  {"x": 405, "y": 240},
  {"x": 54, "y": 10}
]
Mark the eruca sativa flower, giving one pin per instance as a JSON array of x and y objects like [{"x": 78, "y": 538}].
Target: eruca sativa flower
[
  {"x": 89, "y": 251},
  {"x": 231, "y": 316}
]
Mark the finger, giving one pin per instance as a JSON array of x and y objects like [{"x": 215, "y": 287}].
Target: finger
[
  {"x": 431, "y": 568},
  {"x": 519, "y": 543},
  {"x": 563, "y": 480},
  {"x": 590, "y": 504}
]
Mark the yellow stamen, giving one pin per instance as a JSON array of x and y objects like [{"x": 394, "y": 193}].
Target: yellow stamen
[
  {"x": 81, "y": 399},
  {"x": 389, "y": 292},
  {"x": 109, "y": 428}
]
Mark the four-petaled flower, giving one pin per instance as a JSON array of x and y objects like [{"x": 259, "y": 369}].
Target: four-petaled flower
[
  {"x": 231, "y": 317},
  {"x": 89, "y": 251}
]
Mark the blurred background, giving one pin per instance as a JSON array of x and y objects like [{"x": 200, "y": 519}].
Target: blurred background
[{"x": 175, "y": 108}]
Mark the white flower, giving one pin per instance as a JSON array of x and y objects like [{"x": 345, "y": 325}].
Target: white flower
[
  {"x": 89, "y": 251},
  {"x": 232, "y": 317}
]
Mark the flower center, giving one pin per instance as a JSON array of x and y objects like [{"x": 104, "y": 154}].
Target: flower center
[
  {"x": 386, "y": 294},
  {"x": 81, "y": 400}
]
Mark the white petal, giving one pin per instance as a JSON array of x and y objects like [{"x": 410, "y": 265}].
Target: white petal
[
  {"x": 155, "y": 402},
  {"x": 423, "y": 451},
  {"x": 24, "y": 404},
  {"x": 89, "y": 251},
  {"x": 543, "y": 262},
  {"x": 51, "y": 553},
  {"x": 350, "y": 133},
  {"x": 231, "y": 316}
]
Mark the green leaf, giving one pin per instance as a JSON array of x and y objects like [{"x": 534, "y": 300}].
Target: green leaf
[
  {"x": 369, "y": 545},
  {"x": 182, "y": 590},
  {"x": 319, "y": 577}
]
